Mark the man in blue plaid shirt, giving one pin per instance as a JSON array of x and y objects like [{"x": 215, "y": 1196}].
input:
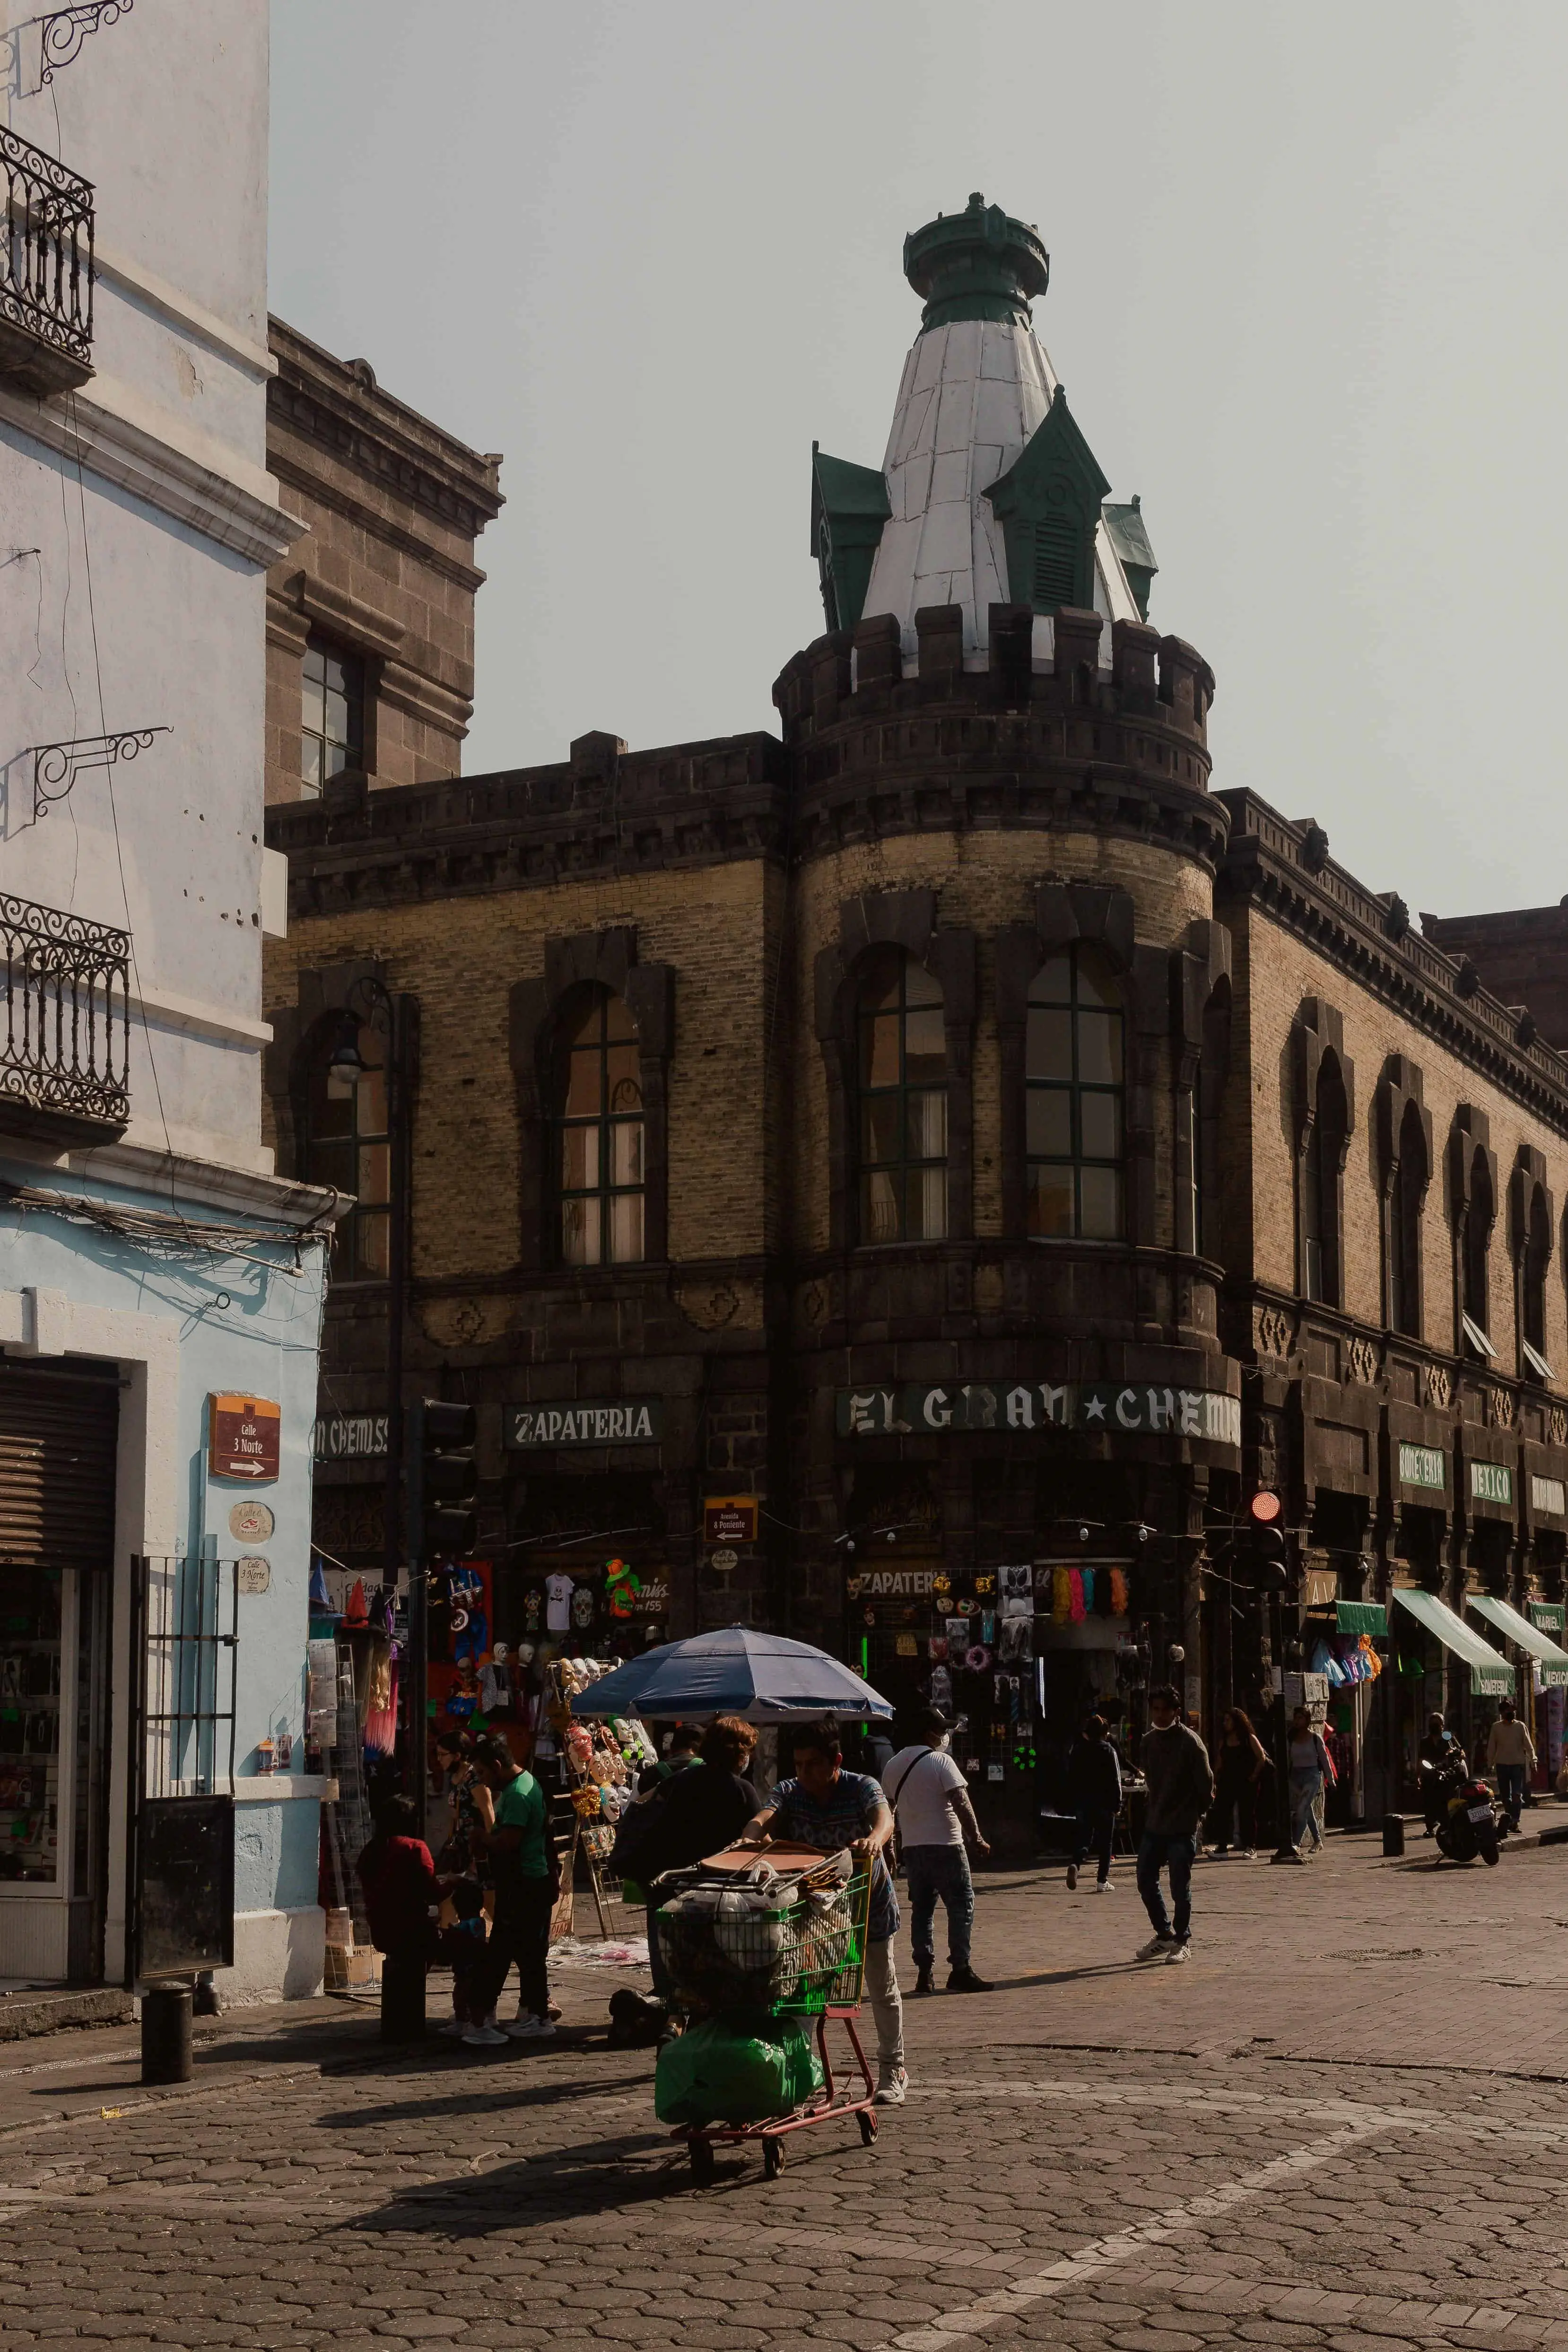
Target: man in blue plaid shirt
[{"x": 825, "y": 1806}]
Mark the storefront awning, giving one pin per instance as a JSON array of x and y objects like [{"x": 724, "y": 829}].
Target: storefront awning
[
  {"x": 1551, "y": 1660},
  {"x": 1359, "y": 1617},
  {"x": 1490, "y": 1677}
]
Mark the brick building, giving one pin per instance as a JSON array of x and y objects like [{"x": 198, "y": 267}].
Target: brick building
[{"x": 950, "y": 1124}]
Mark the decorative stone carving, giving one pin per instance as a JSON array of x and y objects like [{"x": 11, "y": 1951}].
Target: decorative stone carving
[
  {"x": 457, "y": 1322},
  {"x": 814, "y": 1302},
  {"x": 1273, "y": 1332},
  {"x": 1436, "y": 1388},
  {"x": 710, "y": 1305},
  {"x": 1361, "y": 1357},
  {"x": 1500, "y": 1409},
  {"x": 1557, "y": 1425}
]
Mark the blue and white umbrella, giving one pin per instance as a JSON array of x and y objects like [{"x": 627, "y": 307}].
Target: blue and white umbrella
[{"x": 761, "y": 1678}]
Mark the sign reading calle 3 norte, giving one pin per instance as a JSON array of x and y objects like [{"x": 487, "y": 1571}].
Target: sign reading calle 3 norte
[
  {"x": 1040, "y": 1404},
  {"x": 243, "y": 1437}
]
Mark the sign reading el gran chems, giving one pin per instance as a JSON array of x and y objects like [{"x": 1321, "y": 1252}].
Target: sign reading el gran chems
[
  {"x": 1039, "y": 1404},
  {"x": 639, "y": 1421},
  {"x": 352, "y": 1437}
]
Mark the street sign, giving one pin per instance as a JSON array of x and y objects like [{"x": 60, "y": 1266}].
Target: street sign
[
  {"x": 729, "y": 1519},
  {"x": 244, "y": 1437},
  {"x": 724, "y": 1561},
  {"x": 250, "y": 1520},
  {"x": 253, "y": 1573}
]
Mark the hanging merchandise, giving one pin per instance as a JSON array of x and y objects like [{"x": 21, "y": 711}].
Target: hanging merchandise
[
  {"x": 1017, "y": 1582},
  {"x": 320, "y": 1599},
  {"x": 977, "y": 1659},
  {"x": 1075, "y": 1595},
  {"x": 941, "y": 1688},
  {"x": 1119, "y": 1592},
  {"x": 622, "y": 1586},
  {"x": 1017, "y": 1640},
  {"x": 957, "y": 1636},
  {"x": 1087, "y": 1579},
  {"x": 988, "y": 1624},
  {"x": 495, "y": 1684},
  {"x": 532, "y": 1608},
  {"x": 1061, "y": 1596},
  {"x": 936, "y": 1649},
  {"x": 1373, "y": 1663},
  {"x": 353, "y": 1608},
  {"x": 558, "y": 1591}
]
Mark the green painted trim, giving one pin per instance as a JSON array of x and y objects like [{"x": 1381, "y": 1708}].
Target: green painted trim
[
  {"x": 1048, "y": 504},
  {"x": 1360, "y": 1617},
  {"x": 976, "y": 263},
  {"x": 850, "y": 504},
  {"x": 1128, "y": 537}
]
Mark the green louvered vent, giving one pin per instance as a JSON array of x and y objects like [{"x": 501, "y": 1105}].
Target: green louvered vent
[{"x": 1056, "y": 562}]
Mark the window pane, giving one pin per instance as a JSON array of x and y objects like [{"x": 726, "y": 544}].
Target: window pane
[
  {"x": 580, "y": 1232},
  {"x": 370, "y": 1097},
  {"x": 588, "y": 1028},
  {"x": 880, "y": 1051},
  {"x": 920, "y": 988},
  {"x": 928, "y": 1127},
  {"x": 625, "y": 1152},
  {"x": 1052, "y": 985},
  {"x": 879, "y": 1208},
  {"x": 879, "y": 1129},
  {"x": 879, "y": 990},
  {"x": 927, "y": 1200},
  {"x": 1050, "y": 1200},
  {"x": 373, "y": 1237},
  {"x": 1095, "y": 985},
  {"x": 1049, "y": 1122},
  {"x": 1101, "y": 1116},
  {"x": 333, "y": 1163},
  {"x": 618, "y": 1019},
  {"x": 623, "y": 1075},
  {"x": 1099, "y": 1192},
  {"x": 925, "y": 1046},
  {"x": 314, "y": 669},
  {"x": 1048, "y": 1046},
  {"x": 584, "y": 1082},
  {"x": 374, "y": 1171},
  {"x": 626, "y": 1228},
  {"x": 336, "y": 729},
  {"x": 333, "y": 1112},
  {"x": 580, "y": 1158},
  {"x": 1099, "y": 1047}
]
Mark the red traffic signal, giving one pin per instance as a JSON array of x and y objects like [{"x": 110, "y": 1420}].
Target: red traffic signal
[{"x": 1265, "y": 1507}]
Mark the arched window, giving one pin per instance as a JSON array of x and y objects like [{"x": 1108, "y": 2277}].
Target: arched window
[
  {"x": 901, "y": 1061},
  {"x": 1075, "y": 1118},
  {"x": 1475, "y": 1242},
  {"x": 346, "y": 1144},
  {"x": 1320, "y": 1165},
  {"x": 1537, "y": 1258},
  {"x": 599, "y": 1123},
  {"x": 1406, "y": 1198}
]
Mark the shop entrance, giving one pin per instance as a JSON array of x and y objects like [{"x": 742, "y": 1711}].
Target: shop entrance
[{"x": 59, "y": 1430}]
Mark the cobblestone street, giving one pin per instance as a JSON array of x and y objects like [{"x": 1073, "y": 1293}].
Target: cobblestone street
[{"x": 1342, "y": 2124}]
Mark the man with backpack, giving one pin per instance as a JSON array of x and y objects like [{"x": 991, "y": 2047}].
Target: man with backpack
[{"x": 930, "y": 1803}]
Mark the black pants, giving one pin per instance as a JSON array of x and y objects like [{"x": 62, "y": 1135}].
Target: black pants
[
  {"x": 519, "y": 1932},
  {"x": 1235, "y": 1805}
]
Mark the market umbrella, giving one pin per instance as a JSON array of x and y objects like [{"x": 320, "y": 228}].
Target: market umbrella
[{"x": 761, "y": 1678}]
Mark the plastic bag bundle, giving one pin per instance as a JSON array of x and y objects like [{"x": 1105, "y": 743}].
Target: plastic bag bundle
[{"x": 722, "y": 2073}]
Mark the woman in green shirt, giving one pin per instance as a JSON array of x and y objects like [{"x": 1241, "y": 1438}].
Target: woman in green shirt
[{"x": 526, "y": 1874}]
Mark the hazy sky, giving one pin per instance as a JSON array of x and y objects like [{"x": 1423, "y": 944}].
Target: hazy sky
[{"x": 1307, "y": 297}]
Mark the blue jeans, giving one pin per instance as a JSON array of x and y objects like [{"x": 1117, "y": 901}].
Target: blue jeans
[
  {"x": 1511, "y": 1789},
  {"x": 939, "y": 1869},
  {"x": 1306, "y": 1789},
  {"x": 1096, "y": 1829},
  {"x": 1159, "y": 1848}
]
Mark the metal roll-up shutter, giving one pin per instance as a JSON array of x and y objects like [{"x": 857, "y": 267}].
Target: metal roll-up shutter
[{"x": 57, "y": 1437}]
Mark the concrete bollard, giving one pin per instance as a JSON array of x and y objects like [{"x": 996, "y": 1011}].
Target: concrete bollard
[
  {"x": 1392, "y": 1833},
  {"x": 166, "y": 2033}
]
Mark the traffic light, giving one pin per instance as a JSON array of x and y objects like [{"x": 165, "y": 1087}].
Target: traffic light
[
  {"x": 443, "y": 1523},
  {"x": 1266, "y": 1548}
]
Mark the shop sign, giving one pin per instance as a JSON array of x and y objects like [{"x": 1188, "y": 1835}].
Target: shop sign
[
  {"x": 610, "y": 1422},
  {"x": 253, "y": 1574},
  {"x": 724, "y": 1560},
  {"x": 251, "y": 1520},
  {"x": 1422, "y": 1465},
  {"x": 1546, "y": 1494},
  {"x": 729, "y": 1519},
  {"x": 244, "y": 1437},
  {"x": 893, "y": 1584},
  {"x": 351, "y": 1437},
  {"x": 653, "y": 1600},
  {"x": 1491, "y": 1482},
  {"x": 1040, "y": 1404}
]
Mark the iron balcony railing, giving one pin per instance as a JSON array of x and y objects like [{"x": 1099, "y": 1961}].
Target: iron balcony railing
[
  {"x": 46, "y": 269},
  {"x": 65, "y": 1025}
]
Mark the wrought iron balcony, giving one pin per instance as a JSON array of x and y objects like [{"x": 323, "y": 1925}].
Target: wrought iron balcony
[
  {"x": 45, "y": 270},
  {"x": 65, "y": 1025}
]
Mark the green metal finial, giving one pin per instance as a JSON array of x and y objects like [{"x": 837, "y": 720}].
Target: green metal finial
[{"x": 976, "y": 263}]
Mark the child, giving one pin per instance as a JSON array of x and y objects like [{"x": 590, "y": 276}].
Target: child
[
  {"x": 401, "y": 1888},
  {"x": 462, "y": 1946}
]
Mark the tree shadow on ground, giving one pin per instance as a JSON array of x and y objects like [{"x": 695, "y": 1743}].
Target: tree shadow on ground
[
  {"x": 577, "y": 2184},
  {"x": 515, "y": 2091}
]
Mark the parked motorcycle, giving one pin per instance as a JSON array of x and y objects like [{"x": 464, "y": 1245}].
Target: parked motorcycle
[{"x": 1463, "y": 1810}]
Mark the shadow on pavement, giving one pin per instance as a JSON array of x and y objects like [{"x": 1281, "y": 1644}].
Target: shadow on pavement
[
  {"x": 576, "y": 2184},
  {"x": 491, "y": 2097}
]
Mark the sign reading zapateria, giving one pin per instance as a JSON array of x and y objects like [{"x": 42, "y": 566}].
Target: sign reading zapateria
[
  {"x": 638, "y": 1423},
  {"x": 1039, "y": 1404}
]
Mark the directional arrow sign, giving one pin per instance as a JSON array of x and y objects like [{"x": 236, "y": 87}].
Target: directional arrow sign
[{"x": 243, "y": 1437}]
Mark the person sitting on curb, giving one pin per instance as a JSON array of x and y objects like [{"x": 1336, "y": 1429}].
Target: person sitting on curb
[
  {"x": 1181, "y": 1789},
  {"x": 931, "y": 1802}
]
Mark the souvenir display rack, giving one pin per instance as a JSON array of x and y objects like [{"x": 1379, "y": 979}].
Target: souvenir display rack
[{"x": 600, "y": 1759}]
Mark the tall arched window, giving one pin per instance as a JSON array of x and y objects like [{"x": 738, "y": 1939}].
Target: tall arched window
[
  {"x": 901, "y": 1061},
  {"x": 1075, "y": 1118},
  {"x": 599, "y": 1136},
  {"x": 1405, "y": 1199},
  {"x": 346, "y": 1144},
  {"x": 1475, "y": 1242},
  {"x": 1321, "y": 1166},
  {"x": 1537, "y": 1258}
]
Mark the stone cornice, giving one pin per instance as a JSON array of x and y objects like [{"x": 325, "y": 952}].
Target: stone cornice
[
  {"x": 312, "y": 484},
  {"x": 1367, "y": 938}
]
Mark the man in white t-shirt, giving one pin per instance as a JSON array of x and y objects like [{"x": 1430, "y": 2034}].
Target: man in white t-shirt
[{"x": 929, "y": 1798}]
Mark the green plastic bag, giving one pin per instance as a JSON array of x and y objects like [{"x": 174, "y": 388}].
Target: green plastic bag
[{"x": 723, "y": 2072}]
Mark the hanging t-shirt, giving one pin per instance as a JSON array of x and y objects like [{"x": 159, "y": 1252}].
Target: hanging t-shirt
[
  {"x": 916, "y": 1784},
  {"x": 558, "y": 1603}
]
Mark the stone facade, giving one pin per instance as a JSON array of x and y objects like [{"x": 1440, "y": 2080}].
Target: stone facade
[{"x": 387, "y": 573}]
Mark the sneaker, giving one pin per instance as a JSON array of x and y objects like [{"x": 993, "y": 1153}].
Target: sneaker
[
  {"x": 924, "y": 1980},
  {"x": 1179, "y": 1951},
  {"x": 1104, "y": 1886},
  {"x": 484, "y": 2037},
  {"x": 455, "y": 2027},
  {"x": 1072, "y": 1876},
  {"x": 1220, "y": 1853},
  {"x": 1156, "y": 1948},
  {"x": 892, "y": 2082},
  {"x": 532, "y": 2029},
  {"x": 965, "y": 1980}
]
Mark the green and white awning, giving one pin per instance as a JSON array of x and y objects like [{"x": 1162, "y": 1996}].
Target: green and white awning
[
  {"x": 1551, "y": 1658},
  {"x": 1490, "y": 1677}
]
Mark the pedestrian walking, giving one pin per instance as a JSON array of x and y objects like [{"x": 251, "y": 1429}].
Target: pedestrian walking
[
  {"x": 527, "y": 1878},
  {"x": 1510, "y": 1754},
  {"x": 931, "y": 1802},
  {"x": 1094, "y": 1783},
  {"x": 1311, "y": 1773},
  {"x": 1180, "y": 1787},
  {"x": 1241, "y": 1763},
  {"x": 701, "y": 1811},
  {"x": 825, "y": 1806}
]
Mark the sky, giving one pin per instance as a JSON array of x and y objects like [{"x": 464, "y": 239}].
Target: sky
[{"x": 1307, "y": 296}]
